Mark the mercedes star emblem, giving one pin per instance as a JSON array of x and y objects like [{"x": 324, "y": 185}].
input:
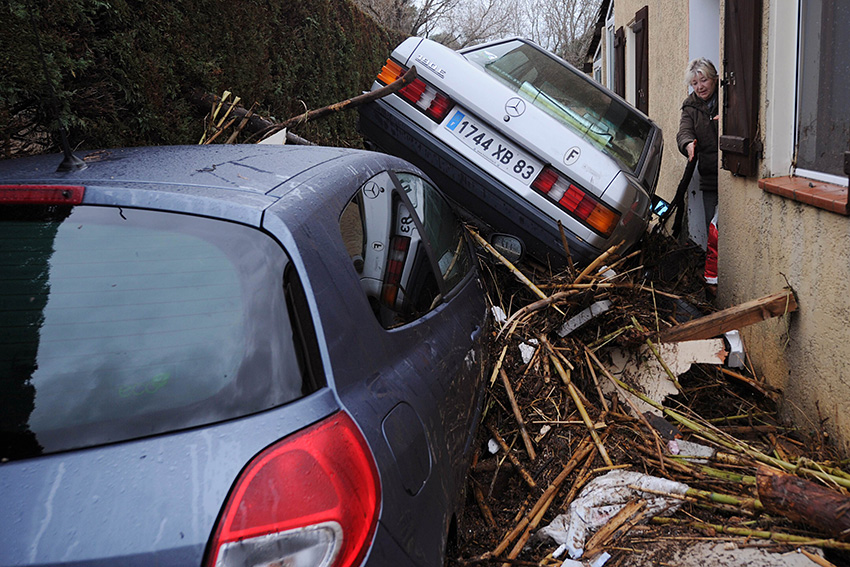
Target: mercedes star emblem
[
  {"x": 372, "y": 190},
  {"x": 515, "y": 106}
]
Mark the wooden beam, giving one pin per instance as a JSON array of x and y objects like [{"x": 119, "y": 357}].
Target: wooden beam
[{"x": 733, "y": 318}]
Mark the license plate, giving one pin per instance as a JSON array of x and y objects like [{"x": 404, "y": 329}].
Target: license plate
[{"x": 505, "y": 155}]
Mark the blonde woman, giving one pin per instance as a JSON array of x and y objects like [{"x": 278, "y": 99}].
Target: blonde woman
[{"x": 697, "y": 137}]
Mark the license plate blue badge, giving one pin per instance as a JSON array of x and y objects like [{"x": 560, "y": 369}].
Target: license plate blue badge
[{"x": 456, "y": 119}]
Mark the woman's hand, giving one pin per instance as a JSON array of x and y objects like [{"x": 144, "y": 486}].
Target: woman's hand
[{"x": 691, "y": 149}]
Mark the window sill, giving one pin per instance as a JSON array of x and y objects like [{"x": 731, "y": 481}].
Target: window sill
[{"x": 818, "y": 194}]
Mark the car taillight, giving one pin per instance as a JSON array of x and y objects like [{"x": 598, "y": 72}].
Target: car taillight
[
  {"x": 576, "y": 201},
  {"x": 426, "y": 98},
  {"x": 391, "y": 72},
  {"x": 41, "y": 194},
  {"x": 310, "y": 499},
  {"x": 395, "y": 266}
]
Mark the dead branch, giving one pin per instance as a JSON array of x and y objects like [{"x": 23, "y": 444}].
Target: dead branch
[
  {"x": 353, "y": 102},
  {"x": 506, "y": 448}
]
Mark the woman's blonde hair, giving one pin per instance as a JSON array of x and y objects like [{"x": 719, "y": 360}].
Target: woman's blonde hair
[{"x": 701, "y": 66}]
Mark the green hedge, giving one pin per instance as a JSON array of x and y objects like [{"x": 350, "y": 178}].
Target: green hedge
[{"x": 123, "y": 70}]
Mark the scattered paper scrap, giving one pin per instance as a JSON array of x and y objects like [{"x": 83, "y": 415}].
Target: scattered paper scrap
[
  {"x": 527, "y": 350},
  {"x": 499, "y": 315}
]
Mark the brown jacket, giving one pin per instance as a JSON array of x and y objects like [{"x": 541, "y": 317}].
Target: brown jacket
[{"x": 697, "y": 122}]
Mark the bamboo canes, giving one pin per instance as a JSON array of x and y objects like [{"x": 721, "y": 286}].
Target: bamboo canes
[
  {"x": 538, "y": 305},
  {"x": 761, "y": 534},
  {"x": 591, "y": 268},
  {"x": 658, "y": 356},
  {"x": 631, "y": 404},
  {"x": 602, "y": 399},
  {"x": 537, "y": 513},
  {"x": 734, "y": 445},
  {"x": 583, "y": 450},
  {"x": 719, "y": 474},
  {"x": 498, "y": 366},
  {"x": 532, "y": 454},
  {"x": 581, "y": 410},
  {"x": 571, "y": 268}
]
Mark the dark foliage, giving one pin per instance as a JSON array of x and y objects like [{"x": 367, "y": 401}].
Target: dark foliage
[{"x": 122, "y": 70}]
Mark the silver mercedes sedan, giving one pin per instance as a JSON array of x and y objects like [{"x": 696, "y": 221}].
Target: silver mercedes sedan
[{"x": 521, "y": 141}]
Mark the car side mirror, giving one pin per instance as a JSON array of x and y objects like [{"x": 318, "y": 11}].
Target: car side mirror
[
  {"x": 659, "y": 205},
  {"x": 508, "y": 246}
]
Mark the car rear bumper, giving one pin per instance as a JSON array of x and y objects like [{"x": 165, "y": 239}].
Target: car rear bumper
[{"x": 480, "y": 196}]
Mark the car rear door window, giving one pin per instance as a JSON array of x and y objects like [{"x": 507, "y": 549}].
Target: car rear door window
[
  {"x": 406, "y": 244},
  {"x": 121, "y": 323},
  {"x": 445, "y": 234}
]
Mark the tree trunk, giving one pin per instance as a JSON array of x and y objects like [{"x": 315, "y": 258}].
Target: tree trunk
[{"x": 804, "y": 501}]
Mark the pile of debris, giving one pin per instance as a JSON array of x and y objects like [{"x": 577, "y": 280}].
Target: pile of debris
[{"x": 625, "y": 426}]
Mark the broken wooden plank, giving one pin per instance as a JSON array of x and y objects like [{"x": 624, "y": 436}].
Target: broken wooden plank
[{"x": 736, "y": 317}]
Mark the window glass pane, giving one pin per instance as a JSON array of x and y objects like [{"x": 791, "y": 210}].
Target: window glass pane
[
  {"x": 823, "y": 121},
  {"x": 445, "y": 233},
  {"x": 567, "y": 95},
  {"x": 120, "y": 323},
  {"x": 390, "y": 255}
]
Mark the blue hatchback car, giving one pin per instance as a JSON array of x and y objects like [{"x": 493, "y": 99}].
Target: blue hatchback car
[{"x": 233, "y": 355}]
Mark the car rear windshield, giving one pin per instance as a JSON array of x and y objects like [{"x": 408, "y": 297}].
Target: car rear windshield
[
  {"x": 121, "y": 323},
  {"x": 570, "y": 97}
]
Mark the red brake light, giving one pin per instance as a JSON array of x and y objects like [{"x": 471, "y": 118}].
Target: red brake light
[
  {"x": 42, "y": 194},
  {"x": 576, "y": 201},
  {"x": 439, "y": 107},
  {"x": 545, "y": 180},
  {"x": 395, "y": 267},
  {"x": 413, "y": 92},
  {"x": 310, "y": 499}
]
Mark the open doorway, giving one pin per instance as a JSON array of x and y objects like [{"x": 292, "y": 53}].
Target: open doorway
[{"x": 703, "y": 41}]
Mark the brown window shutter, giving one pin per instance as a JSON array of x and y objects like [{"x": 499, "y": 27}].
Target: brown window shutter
[
  {"x": 641, "y": 31},
  {"x": 620, "y": 62},
  {"x": 741, "y": 58}
]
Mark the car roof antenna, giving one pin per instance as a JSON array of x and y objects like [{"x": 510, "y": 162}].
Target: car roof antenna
[{"x": 70, "y": 161}]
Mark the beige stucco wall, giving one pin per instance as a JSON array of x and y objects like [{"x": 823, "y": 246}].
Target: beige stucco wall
[
  {"x": 768, "y": 242},
  {"x": 668, "y": 56}
]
